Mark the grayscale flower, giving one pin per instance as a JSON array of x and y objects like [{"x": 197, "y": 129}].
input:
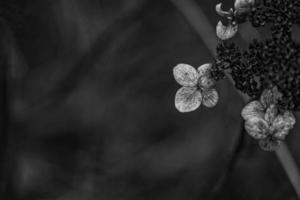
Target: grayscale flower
[
  {"x": 264, "y": 122},
  {"x": 197, "y": 87},
  {"x": 226, "y": 32},
  {"x": 240, "y": 7}
]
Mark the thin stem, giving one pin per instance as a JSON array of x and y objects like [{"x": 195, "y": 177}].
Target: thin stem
[
  {"x": 197, "y": 19},
  {"x": 289, "y": 164}
]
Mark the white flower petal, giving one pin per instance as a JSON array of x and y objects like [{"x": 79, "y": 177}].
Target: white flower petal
[
  {"x": 223, "y": 13},
  {"x": 266, "y": 98},
  {"x": 187, "y": 99},
  {"x": 206, "y": 82},
  {"x": 205, "y": 79},
  {"x": 210, "y": 97},
  {"x": 254, "y": 109},
  {"x": 269, "y": 144},
  {"x": 270, "y": 96},
  {"x": 286, "y": 120},
  {"x": 281, "y": 134},
  {"x": 282, "y": 124},
  {"x": 241, "y": 4},
  {"x": 279, "y": 123},
  {"x": 289, "y": 118},
  {"x": 257, "y": 128},
  {"x": 226, "y": 32},
  {"x": 185, "y": 75},
  {"x": 204, "y": 69},
  {"x": 271, "y": 113}
]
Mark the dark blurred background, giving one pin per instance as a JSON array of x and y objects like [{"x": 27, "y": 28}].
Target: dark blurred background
[{"x": 87, "y": 107}]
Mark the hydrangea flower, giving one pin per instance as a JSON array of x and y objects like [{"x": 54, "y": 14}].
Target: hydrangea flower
[
  {"x": 241, "y": 8},
  {"x": 197, "y": 87},
  {"x": 264, "y": 122},
  {"x": 274, "y": 60}
]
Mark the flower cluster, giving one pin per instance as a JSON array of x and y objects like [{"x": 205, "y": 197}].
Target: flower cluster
[
  {"x": 268, "y": 70},
  {"x": 273, "y": 62},
  {"x": 280, "y": 14}
]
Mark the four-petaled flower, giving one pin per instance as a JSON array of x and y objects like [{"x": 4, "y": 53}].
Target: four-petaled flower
[
  {"x": 241, "y": 7},
  {"x": 197, "y": 87},
  {"x": 264, "y": 122}
]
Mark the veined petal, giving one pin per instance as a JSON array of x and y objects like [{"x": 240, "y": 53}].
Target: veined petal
[
  {"x": 223, "y": 13},
  {"x": 289, "y": 118},
  {"x": 204, "y": 69},
  {"x": 269, "y": 144},
  {"x": 257, "y": 128},
  {"x": 270, "y": 96},
  {"x": 282, "y": 124},
  {"x": 205, "y": 80},
  {"x": 241, "y": 4},
  {"x": 226, "y": 32},
  {"x": 210, "y": 97},
  {"x": 254, "y": 109},
  {"x": 266, "y": 98},
  {"x": 188, "y": 99},
  {"x": 281, "y": 134},
  {"x": 185, "y": 75},
  {"x": 286, "y": 120},
  {"x": 271, "y": 113}
]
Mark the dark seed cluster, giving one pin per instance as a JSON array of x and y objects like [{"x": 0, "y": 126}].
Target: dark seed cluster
[
  {"x": 273, "y": 62},
  {"x": 281, "y": 14}
]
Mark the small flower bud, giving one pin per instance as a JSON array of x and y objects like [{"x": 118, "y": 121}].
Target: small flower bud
[
  {"x": 226, "y": 32},
  {"x": 222, "y": 13},
  {"x": 243, "y": 4}
]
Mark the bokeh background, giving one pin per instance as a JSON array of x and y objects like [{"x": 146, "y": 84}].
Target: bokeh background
[{"x": 87, "y": 106}]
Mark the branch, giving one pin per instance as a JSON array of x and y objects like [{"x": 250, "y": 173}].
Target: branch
[
  {"x": 195, "y": 16},
  {"x": 290, "y": 167}
]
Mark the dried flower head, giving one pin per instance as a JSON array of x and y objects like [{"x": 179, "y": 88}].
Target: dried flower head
[
  {"x": 197, "y": 87},
  {"x": 264, "y": 122},
  {"x": 280, "y": 14},
  {"x": 273, "y": 62}
]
